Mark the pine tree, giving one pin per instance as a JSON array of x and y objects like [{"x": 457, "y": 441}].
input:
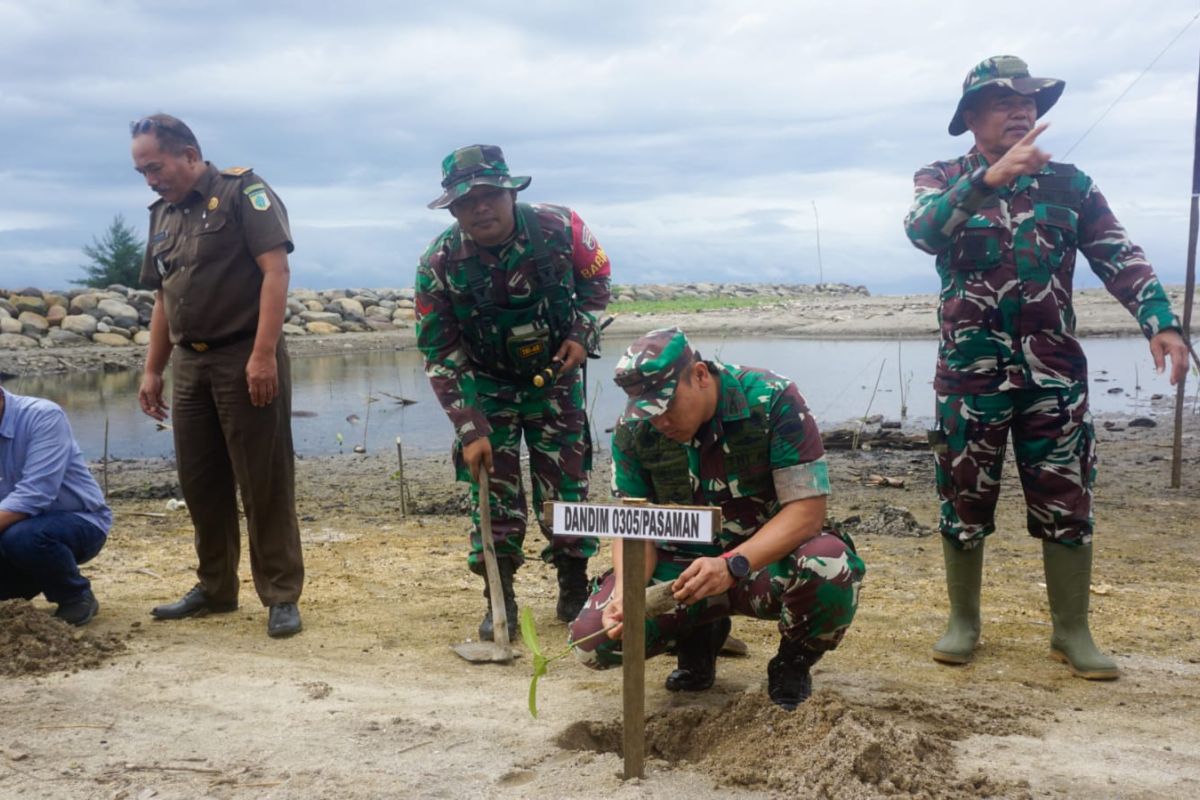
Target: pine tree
[{"x": 117, "y": 258}]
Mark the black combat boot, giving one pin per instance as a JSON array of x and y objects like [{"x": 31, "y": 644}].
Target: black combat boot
[
  {"x": 696, "y": 656},
  {"x": 507, "y": 570},
  {"x": 788, "y": 680},
  {"x": 572, "y": 586}
]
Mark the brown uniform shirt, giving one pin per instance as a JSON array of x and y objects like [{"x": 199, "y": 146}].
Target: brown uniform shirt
[{"x": 201, "y": 254}]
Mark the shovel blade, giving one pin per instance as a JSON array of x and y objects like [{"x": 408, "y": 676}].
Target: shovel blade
[{"x": 483, "y": 652}]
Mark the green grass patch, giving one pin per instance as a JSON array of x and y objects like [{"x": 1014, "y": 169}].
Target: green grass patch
[{"x": 689, "y": 304}]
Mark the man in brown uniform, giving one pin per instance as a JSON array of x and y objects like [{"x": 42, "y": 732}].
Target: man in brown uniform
[{"x": 217, "y": 260}]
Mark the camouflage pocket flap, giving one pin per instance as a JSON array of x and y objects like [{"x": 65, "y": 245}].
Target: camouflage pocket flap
[
  {"x": 977, "y": 247},
  {"x": 1054, "y": 216}
]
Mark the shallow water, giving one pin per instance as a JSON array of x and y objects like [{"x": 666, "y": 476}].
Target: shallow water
[{"x": 838, "y": 379}]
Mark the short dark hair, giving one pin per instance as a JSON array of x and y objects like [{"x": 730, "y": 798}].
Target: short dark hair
[
  {"x": 686, "y": 375},
  {"x": 172, "y": 134}
]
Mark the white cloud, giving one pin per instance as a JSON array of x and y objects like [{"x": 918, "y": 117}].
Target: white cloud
[{"x": 693, "y": 136}]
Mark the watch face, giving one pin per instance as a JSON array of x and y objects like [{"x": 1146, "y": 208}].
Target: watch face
[{"x": 739, "y": 566}]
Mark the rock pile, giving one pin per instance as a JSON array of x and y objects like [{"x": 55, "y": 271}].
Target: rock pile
[
  {"x": 695, "y": 291},
  {"x": 347, "y": 311},
  {"x": 116, "y": 316},
  {"x": 120, "y": 317}
]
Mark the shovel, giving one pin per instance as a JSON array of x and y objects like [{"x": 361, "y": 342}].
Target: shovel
[{"x": 499, "y": 649}]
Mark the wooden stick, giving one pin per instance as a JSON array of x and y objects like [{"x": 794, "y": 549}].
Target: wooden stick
[
  {"x": 1188, "y": 293},
  {"x": 104, "y": 468},
  {"x": 400, "y": 477},
  {"x": 633, "y": 656},
  {"x": 863, "y": 422}
]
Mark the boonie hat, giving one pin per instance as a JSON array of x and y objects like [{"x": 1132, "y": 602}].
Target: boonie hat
[
  {"x": 1011, "y": 73},
  {"x": 475, "y": 165},
  {"x": 649, "y": 371}
]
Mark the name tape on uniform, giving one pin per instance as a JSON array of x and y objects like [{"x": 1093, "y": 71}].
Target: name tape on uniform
[{"x": 671, "y": 523}]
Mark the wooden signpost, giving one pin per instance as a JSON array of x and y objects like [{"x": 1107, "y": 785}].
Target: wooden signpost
[{"x": 634, "y": 522}]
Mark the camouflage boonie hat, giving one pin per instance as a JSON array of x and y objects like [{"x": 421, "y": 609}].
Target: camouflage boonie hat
[
  {"x": 478, "y": 164},
  {"x": 649, "y": 371},
  {"x": 1011, "y": 73}
]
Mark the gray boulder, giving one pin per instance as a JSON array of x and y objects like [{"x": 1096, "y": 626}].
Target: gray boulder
[
  {"x": 61, "y": 338},
  {"x": 348, "y": 307},
  {"x": 82, "y": 324},
  {"x": 321, "y": 316},
  {"x": 110, "y": 339},
  {"x": 123, "y": 315},
  {"x": 25, "y": 302},
  {"x": 32, "y": 323},
  {"x": 15, "y": 341}
]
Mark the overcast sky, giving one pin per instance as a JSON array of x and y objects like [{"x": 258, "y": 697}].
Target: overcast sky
[{"x": 694, "y": 137}]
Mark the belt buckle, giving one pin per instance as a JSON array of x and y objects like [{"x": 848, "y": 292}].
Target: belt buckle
[{"x": 199, "y": 347}]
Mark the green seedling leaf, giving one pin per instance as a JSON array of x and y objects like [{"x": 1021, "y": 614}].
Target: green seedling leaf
[
  {"x": 539, "y": 669},
  {"x": 529, "y": 634},
  {"x": 530, "y": 637},
  {"x": 541, "y": 663}
]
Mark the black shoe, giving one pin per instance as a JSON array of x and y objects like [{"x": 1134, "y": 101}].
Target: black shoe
[
  {"x": 79, "y": 612},
  {"x": 572, "y": 586},
  {"x": 283, "y": 620},
  {"x": 789, "y": 680},
  {"x": 193, "y": 604},
  {"x": 696, "y": 655},
  {"x": 508, "y": 569}
]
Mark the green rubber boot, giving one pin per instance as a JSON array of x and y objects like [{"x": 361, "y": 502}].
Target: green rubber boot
[
  {"x": 964, "y": 573},
  {"x": 1068, "y": 581}
]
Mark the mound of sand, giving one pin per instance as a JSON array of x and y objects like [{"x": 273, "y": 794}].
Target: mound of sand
[
  {"x": 33, "y": 642},
  {"x": 826, "y": 748}
]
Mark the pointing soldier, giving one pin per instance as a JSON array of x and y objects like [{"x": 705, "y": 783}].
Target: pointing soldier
[
  {"x": 1005, "y": 223},
  {"x": 698, "y": 432},
  {"x": 217, "y": 260},
  {"x": 506, "y": 293}
]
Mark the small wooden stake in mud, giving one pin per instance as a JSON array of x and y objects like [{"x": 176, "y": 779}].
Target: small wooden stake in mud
[{"x": 634, "y": 523}]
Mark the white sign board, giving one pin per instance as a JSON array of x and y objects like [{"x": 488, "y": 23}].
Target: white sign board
[{"x": 669, "y": 523}]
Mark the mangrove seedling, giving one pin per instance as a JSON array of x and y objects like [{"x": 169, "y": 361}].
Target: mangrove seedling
[{"x": 541, "y": 662}]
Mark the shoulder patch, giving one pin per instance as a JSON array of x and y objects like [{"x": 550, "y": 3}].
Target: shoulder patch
[
  {"x": 257, "y": 194},
  {"x": 236, "y": 172}
]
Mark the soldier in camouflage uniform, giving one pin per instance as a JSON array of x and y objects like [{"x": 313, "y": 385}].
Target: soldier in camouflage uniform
[
  {"x": 508, "y": 294},
  {"x": 698, "y": 432},
  {"x": 1005, "y": 222}
]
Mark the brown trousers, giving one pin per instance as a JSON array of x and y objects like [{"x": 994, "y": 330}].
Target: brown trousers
[{"x": 224, "y": 444}]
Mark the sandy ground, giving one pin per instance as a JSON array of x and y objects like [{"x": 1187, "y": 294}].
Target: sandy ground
[{"x": 370, "y": 702}]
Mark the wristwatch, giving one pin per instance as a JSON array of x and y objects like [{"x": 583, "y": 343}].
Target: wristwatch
[{"x": 738, "y": 564}]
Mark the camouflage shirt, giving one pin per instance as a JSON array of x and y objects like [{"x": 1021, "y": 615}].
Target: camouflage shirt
[
  {"x": 1006, "y": 260},
  {"x": 444, "y": 301},
  {"x": 761, "y": 449}
]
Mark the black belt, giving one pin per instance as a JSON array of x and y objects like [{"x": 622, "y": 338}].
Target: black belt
[{"x": 213, "y": 344}]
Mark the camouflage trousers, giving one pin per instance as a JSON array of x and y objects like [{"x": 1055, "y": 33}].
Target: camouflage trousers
[
  {"x": 1053, "y": 446},
  {"x": 812, "y": 593},
  {"x": 553, "y": 423}
]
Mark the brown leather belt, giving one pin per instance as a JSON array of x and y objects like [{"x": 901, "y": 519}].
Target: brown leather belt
[{"x": 213, "y": 344}]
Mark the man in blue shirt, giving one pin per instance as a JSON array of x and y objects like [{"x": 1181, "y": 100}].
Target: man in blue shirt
[{"x": 52, "y": 514}]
